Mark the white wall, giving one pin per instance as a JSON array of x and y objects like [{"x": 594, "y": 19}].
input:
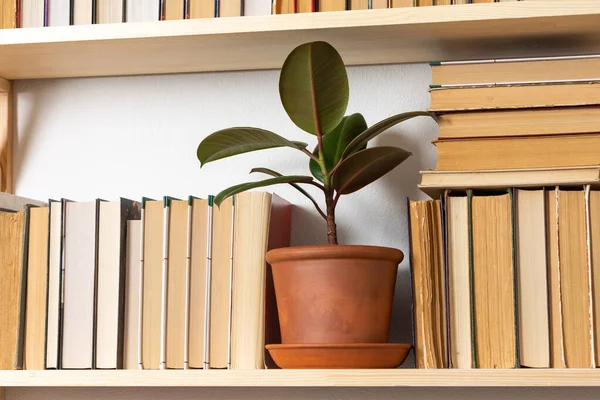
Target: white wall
[{"x": 137, "y": 136}]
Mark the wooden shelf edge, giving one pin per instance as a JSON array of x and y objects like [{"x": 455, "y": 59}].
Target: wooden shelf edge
[{"x": 306, "y": 378}]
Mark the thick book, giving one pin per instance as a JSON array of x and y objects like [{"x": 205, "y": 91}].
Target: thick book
[
  {"x": 423, "y": 3},
  {"x": 59, "y": 12},
  {"x": 172, "y": 10},
  {"x": 530, "y": 229},
  {"x": 428, "y": 283},
  {"x": 231, "y": 8},
  {"x": 206, "y": 8},
  {"x": 79, "y": 288},
  {"x": 110, "y": 305},
  {"x": 8, "y": 14},
  {"x": 262, "y": 222},
  {"x": 152, "y": 283},
  {"x": 332, "y": 5},
  {"x": 594, "y": 233},
  {"x": 517, "y": 96},
  {"x": 575, "y": 282},
  {"x": 494, "y": 319},
  {"x": 110, "y": 11},
  {"x": 132, "y": 296},
  {"x": 31, "y": 12},
  {"x": 402, "y": 3},
  {"x": 83, "y": 12},
  {"x": 220, "y": 285},
  {"x": 142, "y": 10},
  {"x": 577, "y": 150},
  {"x": 37, "y": 281}
]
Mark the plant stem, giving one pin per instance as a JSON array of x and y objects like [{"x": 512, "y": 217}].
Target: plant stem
[{"x": 331, "y": 226}]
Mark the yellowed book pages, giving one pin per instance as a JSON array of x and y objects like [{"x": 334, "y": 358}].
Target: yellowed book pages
[
  {"x": 595, "y": 247},
  {"x": 332, "y": 5},
  {"x": 198, "y": 283},
  {"x": 8, "y": 14},
  {"x": 82, "y": 12},
  {"x": 556, "y": 336},
  {"x": 132, "y": 296},
  {"x": 305, "y": 6},
  {"x": 11, "y": 256},
  {"x": 442, "y": 2},
  {"x": 109, "y": 11},
  {"x": 176, "y": 283},
  {"x": 152, "y": 283},
  {"x": 402, "y": 3},
  {"x": 380, "y": 4},
  {"x": 284, "y": 6},
  {"x": 202, "y": 9},
  {"x": 230, "y": 8},
  {"x": 173, "y": 9},
  {"x": 549, "y": 121},
  {"x": 493, "y": 282},
  {"x": 459, "y": 284},
  {"x": 575, "y": 285},
  {"x": 482, "y": 1},
  {"x": 423, "y": 3},
  {"x": 534, "y": 327},
  {"x": 526, "y": 152},
  {"x": 359, "y": 4},
  {"x": 524, "y": 96},
  {"x": 220, "y": 284},
  {"x": 428, "y": 284},
  {"x": 37, "y": 274}
]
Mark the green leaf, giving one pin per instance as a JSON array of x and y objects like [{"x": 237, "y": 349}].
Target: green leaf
[
  {"x": 251, "y": 185},
  {"x": 365, "y": 167},
  {"x": 381, "y": 127},
  {"x": 233, "y": 141},
  {"x": 313, "y": 87},
  {"x": 336, "y": 141}
]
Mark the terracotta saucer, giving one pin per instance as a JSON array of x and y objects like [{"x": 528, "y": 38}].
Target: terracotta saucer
[{"x": 352, "y": 355}]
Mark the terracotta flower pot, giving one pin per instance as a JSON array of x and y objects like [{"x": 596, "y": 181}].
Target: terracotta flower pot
[{"x": 334, "y": 293}]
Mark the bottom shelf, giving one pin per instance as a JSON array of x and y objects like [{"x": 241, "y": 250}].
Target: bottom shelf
[{"x": 309, "y": 378}]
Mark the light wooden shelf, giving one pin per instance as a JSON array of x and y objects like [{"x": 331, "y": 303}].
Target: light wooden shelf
[
  {"x": 421, "y": 34},
  {"x": 311, "y": 378}
]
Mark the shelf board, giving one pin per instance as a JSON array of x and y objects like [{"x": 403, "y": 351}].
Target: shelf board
[
  {"x": 310, "y": 378},
  {"x": 403, "y": 35}
]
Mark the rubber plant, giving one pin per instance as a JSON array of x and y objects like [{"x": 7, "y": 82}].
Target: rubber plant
[{"x": 314, "y": 91}]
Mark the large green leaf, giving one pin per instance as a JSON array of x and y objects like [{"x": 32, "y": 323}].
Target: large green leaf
[
  {"x": 252, "y": 185},
  {"x": 313, "y": 87},
  {"x": 232, "y": 141},
  {"x": 381, "y": 127},
  {"x": 365, "y": 167},
  {"x": 336, "y": 141}
]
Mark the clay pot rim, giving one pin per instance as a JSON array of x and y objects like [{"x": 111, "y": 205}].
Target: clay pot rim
[{"x": 334, "y": 251}]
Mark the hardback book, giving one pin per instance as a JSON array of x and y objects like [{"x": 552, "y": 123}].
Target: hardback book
[
  {"x": 206, "y": 8},
  {"x": 376, "y": 4},
  {"x": 493, "y": 280},
  {"x": 526, "y": 122},
  {"x": 198, "y": 278},
  {"x": 231, "y": 8},
  {"x": 152, "y": 283},
  {"x": 428, "y": 284},
  {"x": 557, "y": 359},
  {"x": 422, "y": 3},
  {"x": 594, "y": 218},
  {"x": 220, "y": 284},
  {"x": 176, "y": 283},
  {"x": 304, "y": 6},
  {"x": 59, "y": 12},
  {"x": 575, "y": 283},
  {"x": 435, "y": 182},
  {"x": 576, "y": 150},
  {"x": 332, "y": 5},
  {"x": 530, "y": 229},
  {"x": 263, "y": 7},
  {"x": 459, "y": 280},
  {"x": 110, "y": 11},
  {"x": 143, "y": 10},
  {"x": 446, "y": 99},
  {"x": 31, "y": 13},
  {"x": 442, "y": 2},
  {"x": 402, "y": 3},
  {"x": 171, "y": 10},
  {"x": 37, "y": 281},
  {"x": 515, "y": 70},
  {"x": 132, "y": 296},
  {"x": 461, "y": 2},
  {"x": 83, "y": 12},
  {"x": 359, "y": 4},
  {"x": 8, "y": 14},
  {"x": 111, "y": 259},
  {"x": 262, "y": 222},
  {"x": 79, "y": 287},
  {"x": 482, "y": 1},
  {"x": 285, "y": 6}
]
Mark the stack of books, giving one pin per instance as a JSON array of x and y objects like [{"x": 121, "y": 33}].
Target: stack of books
[
  {"x": 506, "y": 264},
  {"x": 156, "y": 284}
]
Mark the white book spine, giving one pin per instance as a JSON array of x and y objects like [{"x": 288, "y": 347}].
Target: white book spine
[
  {"x": 208, "y": 285},
  {"x": 188, "y": 278},
  {"x": 141, "y": 289},
  {"x": 165, "y": 271},
  {"x": 230, "y": 285}
]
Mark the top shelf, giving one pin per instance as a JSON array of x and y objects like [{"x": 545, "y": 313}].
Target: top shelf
[{"x": 403, "y": 35}]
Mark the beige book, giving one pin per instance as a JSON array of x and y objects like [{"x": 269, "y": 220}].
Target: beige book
[
  {"x": 380, "y": 4},
  {"x": 459, "y": 281},
  {"x": 534, "y": 327},
  {"x": 54, "y": 279},
  {"x": 152, "y": 284},
  {"x": 332, "y": 5},
  {"x": 230, "y": 8},
  {"x": 442, "y": 2},
  {"x": 505, "y": 123},
  {"x": 197, "y": 300},
  {"x": 173, "y": 9},
  {"x": 82, "y": 12},
  {"x": 109, "y": 11},
  {"x": 142, "y": 10},
  {"x": 423, "y": 3},
  {"x": 304, "y": 6},
  {"x": 8, "y": 14},
  {"x": 176, "y": 283},
  {"x": 575, "y": 284},
  {"x": 202, "y": 9},
  {"x": 359, "y": 4},
  {"x": 37, "y": 272},
  {"x": 560, "y": 69},
  {"x": 493, "y": 281},
  {"x": 220, "y": 285},
  {"x": 402, "y": 3},
  {"x": 518, "y": 96},
  {"x": 32, "y": 13},
  {"x": 132, "y": 296},
  {"x": 595, "y": 259}
]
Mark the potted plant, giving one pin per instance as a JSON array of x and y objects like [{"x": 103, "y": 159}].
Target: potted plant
[{"x": 330, "y": 293}]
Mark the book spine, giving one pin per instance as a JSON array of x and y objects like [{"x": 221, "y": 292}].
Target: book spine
[
  {"x": 589, "y": 269},
  {"x": 95, "y": 310},
  {"x": 217, "y": 8},
  {"x": 559, "y": 278},
  {"x": 207, "y": 287},
  {"x": 472, "y": 288},
  {"x": 46, "y": 12},
  {"x": 230, "y": 283},
  {"x": 513, "y": 217},
  {"x": 72, "y": 12},
  {"x": 188, "y": 277},
  {"x": 165, "y": 277},
  {"x": 141, "y": 285},
  {"x": 50, "y": 201}
]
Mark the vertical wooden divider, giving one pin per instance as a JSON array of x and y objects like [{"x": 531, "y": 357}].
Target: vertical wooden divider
[{"x": 6, "y": 120}]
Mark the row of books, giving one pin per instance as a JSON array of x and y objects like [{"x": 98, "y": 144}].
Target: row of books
[
  {"x": 154, "y": 284},
  {"x": 507, "y": 279}
]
